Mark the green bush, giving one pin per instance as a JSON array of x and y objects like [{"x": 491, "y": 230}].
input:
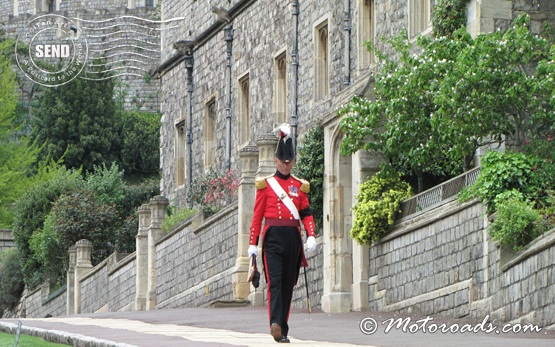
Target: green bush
[
  {"x": 11, "y": 279},
  {"x": 175, "y": 217},
  {"x": 30, "y": 212},
  {"x": 377, "y": 203},
  {"x": 310, "y": 166},
  {"x": 517, "y": 222},
  {"x": 141, "y": 143},
  {"x": 501, "y": 172}
]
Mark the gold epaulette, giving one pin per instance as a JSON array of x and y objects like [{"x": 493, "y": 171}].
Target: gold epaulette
[
  {"x": 260, "y": 182},
  {"x": 305, "y": 185}
]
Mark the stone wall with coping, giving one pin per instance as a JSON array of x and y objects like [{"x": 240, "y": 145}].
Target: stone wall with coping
[
  {"x": 194, "y": 262},
  {"x": 94, "y": 289},
  {"x": 121, "y": 284},
  {"x": 445, "y": 263},
  {"x": 41, "y": 302}
]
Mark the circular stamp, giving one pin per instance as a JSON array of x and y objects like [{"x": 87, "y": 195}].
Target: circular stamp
[{"x": 52, "y": 50}]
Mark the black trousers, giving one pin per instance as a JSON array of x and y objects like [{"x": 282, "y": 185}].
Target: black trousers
[{"x": 282, "y": 260}]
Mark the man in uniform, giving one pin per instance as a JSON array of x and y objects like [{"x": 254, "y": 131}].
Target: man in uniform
[{"x": 281, "y": 200}]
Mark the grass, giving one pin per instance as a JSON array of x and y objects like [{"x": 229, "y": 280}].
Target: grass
[{"x": 8, "y": 340}]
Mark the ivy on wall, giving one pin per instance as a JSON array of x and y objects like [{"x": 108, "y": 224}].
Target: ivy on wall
[{"x": 310, "y": 166}]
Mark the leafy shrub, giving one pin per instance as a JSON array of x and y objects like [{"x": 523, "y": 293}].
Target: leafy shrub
[
  {"x": 11, "y": 279},
  {"x": 141, "y": 142},
  {"x": 30, "y": 213},
  {"x": 175, "y": 217},
  {"x": 501, "y": 172},
  {"x": 213, "y": 191},
  {"x": 310, "y": 166},
  {"x": 377, "y": 203},
  {"x": 517, "y": 222}
]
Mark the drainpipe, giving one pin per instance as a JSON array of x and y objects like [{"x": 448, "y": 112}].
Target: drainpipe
[
  {"x": 295, "y": 65},
  {"x": 189, "y": 62},
  {"x": 346, "y": 39},
  {"x": 228, "y": 37}
]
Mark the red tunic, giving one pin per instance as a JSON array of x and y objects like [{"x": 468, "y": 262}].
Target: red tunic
[{"x": 269, "y": 206}]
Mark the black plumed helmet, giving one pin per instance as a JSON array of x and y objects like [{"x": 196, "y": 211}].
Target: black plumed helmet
[{"x": 285, "y": 151}]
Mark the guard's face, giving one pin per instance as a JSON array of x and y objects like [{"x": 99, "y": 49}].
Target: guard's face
[{"x": 284, "y": 168}]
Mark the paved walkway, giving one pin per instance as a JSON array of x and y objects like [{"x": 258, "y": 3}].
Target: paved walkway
[{"x": 247, "y": 326}]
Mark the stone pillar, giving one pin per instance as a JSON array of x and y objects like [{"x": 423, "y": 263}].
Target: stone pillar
[
  {"x": 82, "y": 267},
  {"x": 70, "y": 281},
  {"x": 266, "y": 154},
  {"x": 141, "y": 241},
  {"x": 365, "y": 165},
  {"x": 246, "y": 194},
  {"x": 266, "y": 166},
  {"x": 158, "y": 205},
  {"x": 44, "y": 290}
]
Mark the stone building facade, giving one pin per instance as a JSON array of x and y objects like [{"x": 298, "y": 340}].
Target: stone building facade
[
  {"x": 110, "y": 28},
  {"x": 6, "y": 239},
  {"x": 238, "y": 68}
]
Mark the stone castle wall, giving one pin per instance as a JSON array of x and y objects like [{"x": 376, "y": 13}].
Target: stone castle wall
[{"x": 257, "y": 42}]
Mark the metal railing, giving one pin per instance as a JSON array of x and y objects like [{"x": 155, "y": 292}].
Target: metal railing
[{"x": 438, "y": 194}]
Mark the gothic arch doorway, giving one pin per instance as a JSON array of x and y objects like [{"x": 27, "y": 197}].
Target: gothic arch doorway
[{"x": 338, "y": 263}]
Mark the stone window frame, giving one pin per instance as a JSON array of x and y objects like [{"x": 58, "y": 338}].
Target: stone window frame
[
  {"x": 366, "y": 32},
  {"x": 45, "y": 6},
  {"x": 321, "y": 58},
  {"x": 210, "y": 122},
  {"x": 244, "y": 114},
  {"x": 419, "y": 17},
  {"x": 179, "y": 152},
  {"x": 142, "y": 3},
  {"x": 280, "y": 95}
]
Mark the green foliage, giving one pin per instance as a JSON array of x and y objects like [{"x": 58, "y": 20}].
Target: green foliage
[
  {"x": 106, "y": 183},
  {"x": 11, "y": 279},
  {"x": 64, "y": 208},
  {"x": 78, "y": 122},
  {"x": 448, "y": 16},
  {"x": 213, "y": 191},
  {"x": 140, "y": 153},
  {"x": 176, "y": 217},
  {"x": 433, "y": 110},
  {"x": 501, "y": 172},
  {"x": 17, "y": 153},
  {"x": 377, "y": 203},
  {"x": 310, "y": 166},
  {"x": 517, "y": 222},
  {"x": 31, "y": 210}
]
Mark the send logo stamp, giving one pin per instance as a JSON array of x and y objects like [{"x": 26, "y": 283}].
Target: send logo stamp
[{"x": 52, "y": 50}]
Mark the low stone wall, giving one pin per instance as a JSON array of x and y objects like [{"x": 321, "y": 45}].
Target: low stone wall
[
  {"x": 94, "y": 289},
  {"x": 315, "y": 276},
  {"x": 195, "y": 262},
  {"x": 41, "y": 303},
  {"x": 444, "y": 263},
  {"x": 121, "y": 285}
]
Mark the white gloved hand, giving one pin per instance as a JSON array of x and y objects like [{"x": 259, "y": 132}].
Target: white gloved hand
[
  {"x": 310, "y": 244},
  {"x": 253, "y": 250}
]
